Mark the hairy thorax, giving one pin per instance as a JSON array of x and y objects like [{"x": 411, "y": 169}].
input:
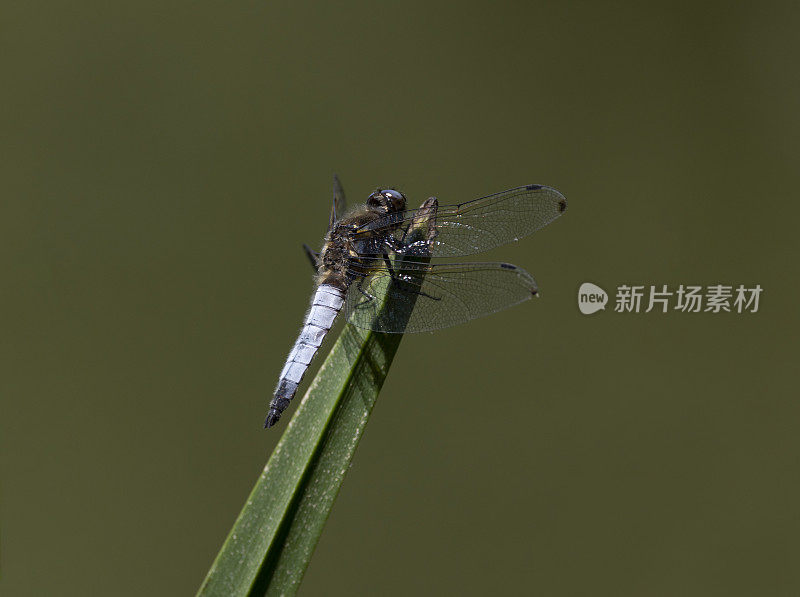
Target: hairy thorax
[{"x": 341, "y": 247}]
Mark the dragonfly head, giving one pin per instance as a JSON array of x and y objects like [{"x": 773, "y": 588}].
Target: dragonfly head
[{"x": 386, "y": 201}]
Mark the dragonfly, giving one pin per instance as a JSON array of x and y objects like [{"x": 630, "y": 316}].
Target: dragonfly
[{"x": 375, "y": 266}]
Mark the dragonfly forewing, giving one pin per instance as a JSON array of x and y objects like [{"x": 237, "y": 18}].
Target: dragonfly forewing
[{"x": 482, "y": 224}]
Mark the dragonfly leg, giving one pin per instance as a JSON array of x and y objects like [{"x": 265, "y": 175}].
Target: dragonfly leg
[
  {"x": 312, "y": 255},
  {"x": 369, "y": 298},
  {"x": 389, "y": 266},
  {"x": 397, "y": 280},
  {"x": 397, "y": 245}
]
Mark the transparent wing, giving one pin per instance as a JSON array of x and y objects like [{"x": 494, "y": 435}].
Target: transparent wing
[
  {"x": 423, "y": 297},
  {"x": 479, "y": 225},
  {"x": 339, "y": 202}
]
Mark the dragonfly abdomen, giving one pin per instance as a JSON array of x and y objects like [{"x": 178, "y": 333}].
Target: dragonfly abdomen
[{"x": 325, "y": 306}]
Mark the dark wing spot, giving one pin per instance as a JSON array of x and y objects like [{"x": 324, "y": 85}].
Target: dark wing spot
[
  {"x": 533, "y": 187},
  {"x": 562, "y": 206},
  {"x": 508, "y": 266}
]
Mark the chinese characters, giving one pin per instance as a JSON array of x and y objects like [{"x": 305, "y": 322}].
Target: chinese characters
[{"x": 688, "y": 299}]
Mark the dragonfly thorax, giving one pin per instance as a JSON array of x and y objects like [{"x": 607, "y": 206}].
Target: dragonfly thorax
[{"x": 334, "y": 257}]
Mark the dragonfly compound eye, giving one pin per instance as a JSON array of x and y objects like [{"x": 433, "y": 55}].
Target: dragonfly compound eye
[{"x": 388, "y": 199}]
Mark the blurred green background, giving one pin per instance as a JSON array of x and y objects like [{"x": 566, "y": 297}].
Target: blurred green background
[{"x": 163, "y": 164}]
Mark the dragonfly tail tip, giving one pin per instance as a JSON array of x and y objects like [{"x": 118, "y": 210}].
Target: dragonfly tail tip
[{"x": 272, "y": 418}]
